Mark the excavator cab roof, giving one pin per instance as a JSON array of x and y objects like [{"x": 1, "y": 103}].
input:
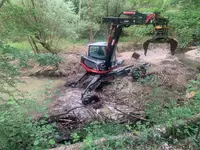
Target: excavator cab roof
[{"x": 98, "y": 44}]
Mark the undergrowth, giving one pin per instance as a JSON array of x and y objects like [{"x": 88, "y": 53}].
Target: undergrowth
[
  {"x": 23, "y": 57},
  {"x": 18, "y": 129},
  {"x": 170, "y": 115}
]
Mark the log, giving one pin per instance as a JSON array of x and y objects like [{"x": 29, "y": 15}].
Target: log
[
  {"x": 167, "y": 131},
  {"x": 100, "y": 141}
]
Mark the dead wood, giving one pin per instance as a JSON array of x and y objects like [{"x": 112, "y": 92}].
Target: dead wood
[
  {"x": 100, "y": 141},
  {"x": 167, "y": 131},
  {"x": 131, "y": 115}
]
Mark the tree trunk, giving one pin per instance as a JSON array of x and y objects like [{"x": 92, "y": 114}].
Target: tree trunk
[
  {"x": 107, "y": 14},
  {"x": 2, "y": 2},
  {"x": 47, "y": 47},
  {"x": 33, "y": 45},
  {"x": 90, "y": 23},
  {"x": 79, "y": 9}
]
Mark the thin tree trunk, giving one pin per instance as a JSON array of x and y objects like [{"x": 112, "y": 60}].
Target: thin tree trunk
[
  {"x": 2, "y": 2},
  {"x": 107, "y": 14},
  {"x": 33, "y": 45},
  {"x": 47, "y": 46},
  {"x": 80, "y": 9},
  {"x": 90, "y": 23},
  {"x": 41, "y": 35}
]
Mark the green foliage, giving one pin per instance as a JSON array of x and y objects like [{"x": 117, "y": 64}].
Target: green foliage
[
  {"x": 48, "y": 59},
  {"x": 42, "y": 22},
  {"x": 8, "y": 72},
  {"x": 97, "y": 129},
  {"x": 168, "y": 112},
  {"x": 19, "y": 131},
  {"x": 185, "y": 22},
  {"x": 23, "y": 57}
]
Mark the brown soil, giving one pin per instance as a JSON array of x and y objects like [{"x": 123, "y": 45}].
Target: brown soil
[{"x": 123, "y": 95}]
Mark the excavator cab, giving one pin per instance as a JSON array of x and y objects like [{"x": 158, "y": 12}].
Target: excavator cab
[
  {"x": 95, "y": 61},
  {"x": 97, "y": 50}
]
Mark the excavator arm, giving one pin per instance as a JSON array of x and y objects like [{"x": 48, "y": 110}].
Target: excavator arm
[
  {"x": 134, "y": 18},
  {"x": 117, "y": 24}
]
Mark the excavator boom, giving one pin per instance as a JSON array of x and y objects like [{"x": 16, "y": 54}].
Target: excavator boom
[{"x": 136, "y": 18}]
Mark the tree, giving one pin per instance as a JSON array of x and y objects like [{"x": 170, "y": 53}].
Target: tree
[{"x": 44, "y": 22}]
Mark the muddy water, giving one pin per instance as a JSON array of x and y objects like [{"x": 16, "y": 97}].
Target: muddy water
[
  {"x": 39, "y": 89},
  {"x": 69, "y": 99}
]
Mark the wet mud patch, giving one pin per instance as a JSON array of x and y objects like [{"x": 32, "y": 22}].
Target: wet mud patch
[
  {"x": 123, "y": 95},
  {"x": 122, "y": 100}
]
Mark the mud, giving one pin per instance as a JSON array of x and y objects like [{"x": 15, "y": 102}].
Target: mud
[{"x": 123, "y": 96}]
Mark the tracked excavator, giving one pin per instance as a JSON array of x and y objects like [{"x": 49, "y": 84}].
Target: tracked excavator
[{"x": 100, "y": 63}]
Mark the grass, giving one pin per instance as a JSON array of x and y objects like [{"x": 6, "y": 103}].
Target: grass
[
  {"x": 62, "y": 45},
  {"x": 65, "y": 44},
  {"x": 24, "y": 45}
]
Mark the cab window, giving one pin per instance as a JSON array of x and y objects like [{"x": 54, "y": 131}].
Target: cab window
[{"x": 98, "y": 52}]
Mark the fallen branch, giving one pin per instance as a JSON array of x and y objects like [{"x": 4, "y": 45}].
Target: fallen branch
[
  {"x": 130, "y": 115},
  {"x": 100, "y": 141},
  {"x": 65, "y": 113},
  {"x": 78, "y": 146}
]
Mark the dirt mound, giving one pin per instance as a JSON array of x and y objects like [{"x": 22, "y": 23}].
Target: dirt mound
[
  {"x": 48, "y": 71},
  {"x": 194, "y": 55},
  {"x": 69, "y": 66},
  {"x": 71, "y": 63}
]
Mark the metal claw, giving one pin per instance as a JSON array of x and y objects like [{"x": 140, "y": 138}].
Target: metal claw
[
  {"x": 173, "y": 44},
  {"x": 145, "y": 46}
]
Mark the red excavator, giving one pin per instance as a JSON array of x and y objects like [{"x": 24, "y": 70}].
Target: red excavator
[{"x": 101, "y": 64}]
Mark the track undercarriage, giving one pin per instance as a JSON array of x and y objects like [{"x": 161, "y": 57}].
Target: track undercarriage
[{"x": 91, "y": 81}]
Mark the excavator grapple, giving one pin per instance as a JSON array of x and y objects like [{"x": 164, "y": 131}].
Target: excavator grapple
[{"x": 160, "y": 33}]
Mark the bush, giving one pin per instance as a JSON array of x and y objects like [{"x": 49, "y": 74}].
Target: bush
[
  {"x": 19, "y": 130},
  {"x": 23, "y": 57},
  {"x": 8, "y": 71},
  {"x": 48, "y": 59}
]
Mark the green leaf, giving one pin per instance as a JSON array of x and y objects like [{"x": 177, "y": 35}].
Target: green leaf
[
  {"x": 52, "y": 142},
  {"x": 36, "y": 142},
  {"x": 12, "y": 102}
]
